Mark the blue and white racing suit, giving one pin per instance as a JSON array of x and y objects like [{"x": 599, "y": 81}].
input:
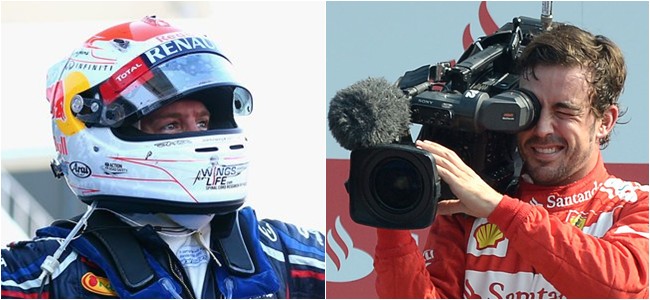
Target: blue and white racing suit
[{"x": 289, "y": 263}]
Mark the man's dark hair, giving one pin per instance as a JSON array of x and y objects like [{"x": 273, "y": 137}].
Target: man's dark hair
[{"x": 570, "y": 46}]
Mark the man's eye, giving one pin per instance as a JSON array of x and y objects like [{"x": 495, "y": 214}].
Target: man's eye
[
  {"x": 566, "y": 114},
  {"x": 169, "y": 127},
  {"x": 203, "y": 125}
]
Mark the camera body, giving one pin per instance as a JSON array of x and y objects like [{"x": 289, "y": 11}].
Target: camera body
[{"x": 473, "y": 107}]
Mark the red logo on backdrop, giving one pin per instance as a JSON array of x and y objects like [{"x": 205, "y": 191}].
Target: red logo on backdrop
[
  {"x": 350, "y": 246},
  {"x": 487, "y": 24},
  {"x": 345, "y": 261}
]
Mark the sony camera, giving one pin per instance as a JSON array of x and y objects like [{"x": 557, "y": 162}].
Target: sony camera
[{"x": 473, "y": 107}]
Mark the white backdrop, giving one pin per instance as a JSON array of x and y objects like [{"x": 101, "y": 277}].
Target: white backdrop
[{"x": 279, "y": 51}]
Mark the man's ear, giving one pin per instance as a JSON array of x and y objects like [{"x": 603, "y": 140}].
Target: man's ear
[{"x": 607, "y": 122}]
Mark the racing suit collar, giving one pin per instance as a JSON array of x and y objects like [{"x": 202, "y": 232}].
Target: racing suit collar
[{"x": 563, "y": 196}]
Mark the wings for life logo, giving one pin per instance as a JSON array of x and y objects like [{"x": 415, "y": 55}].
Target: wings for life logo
[{"x": 221, "y": 176}]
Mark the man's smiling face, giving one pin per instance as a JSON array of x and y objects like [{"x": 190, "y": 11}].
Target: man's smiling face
[{"x": 564, "y": 144}]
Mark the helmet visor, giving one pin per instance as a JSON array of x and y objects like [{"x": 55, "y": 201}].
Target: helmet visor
[{"x": 168, "y": 81}]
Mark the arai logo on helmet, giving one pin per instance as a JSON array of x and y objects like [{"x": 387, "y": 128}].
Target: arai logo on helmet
[{"x": 80, "y": 169}]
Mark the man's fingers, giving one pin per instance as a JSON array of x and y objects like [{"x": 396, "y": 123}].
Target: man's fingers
[
  {"x": 450, "y": 207},
  {"x": 445, "y": 167}
]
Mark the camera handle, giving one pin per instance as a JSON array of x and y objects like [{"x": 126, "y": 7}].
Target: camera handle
[{"x": 518, "y": 165}]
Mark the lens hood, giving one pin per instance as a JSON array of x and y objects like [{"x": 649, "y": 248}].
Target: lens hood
[{"x": 393, "y": 186}]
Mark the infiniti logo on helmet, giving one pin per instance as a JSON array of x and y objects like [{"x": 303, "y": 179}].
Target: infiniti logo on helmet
[{"x": 80, "y": 169}]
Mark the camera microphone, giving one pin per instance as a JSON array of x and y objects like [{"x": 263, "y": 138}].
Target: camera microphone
[
  {"x": 392, "y": 184},
  {"x": 368, "y": 113}
]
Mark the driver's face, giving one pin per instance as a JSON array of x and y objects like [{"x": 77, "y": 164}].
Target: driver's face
[{"x": 181, "y": 116}]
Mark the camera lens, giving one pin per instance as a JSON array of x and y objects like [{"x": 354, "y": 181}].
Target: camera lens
[
  {"x": 393, "y": 186},
  {"x": 397, "y": 185}
]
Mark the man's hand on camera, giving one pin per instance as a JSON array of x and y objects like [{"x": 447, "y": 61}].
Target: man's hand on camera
[{"x": 475, "y": 196}]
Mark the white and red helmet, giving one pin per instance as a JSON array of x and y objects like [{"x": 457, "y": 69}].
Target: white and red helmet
[{"x": 124, "y": 73}]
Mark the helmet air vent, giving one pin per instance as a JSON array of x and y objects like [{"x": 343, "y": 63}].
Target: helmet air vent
[
  {"x": 121, "y": 44},
  {"x": 207, "y": 149}
]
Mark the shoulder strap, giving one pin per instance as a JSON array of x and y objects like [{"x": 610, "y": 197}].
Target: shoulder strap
[
  {"x": 116, "y": 241},
  {"x": 232, "y": 244},
  {"x": 247, "y": 272}
]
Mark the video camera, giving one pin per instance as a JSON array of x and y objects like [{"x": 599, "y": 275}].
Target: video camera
[{"x": 473, "y": 107}]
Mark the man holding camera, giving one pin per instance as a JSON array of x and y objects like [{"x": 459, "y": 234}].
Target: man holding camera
[{"x": 571, "y": 230}]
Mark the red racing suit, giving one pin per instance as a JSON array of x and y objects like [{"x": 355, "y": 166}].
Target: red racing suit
[{"x": 588, "y": 239}]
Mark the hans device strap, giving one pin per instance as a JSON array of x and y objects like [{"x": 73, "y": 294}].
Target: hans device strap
[
  {"x": 235, "y": 249},
  {"x": 117, "y": 243},
  {"x": 122, "y": 247}
]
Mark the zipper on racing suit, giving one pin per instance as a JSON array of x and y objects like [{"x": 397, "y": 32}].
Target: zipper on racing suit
[{"x": 178, "y": 273}]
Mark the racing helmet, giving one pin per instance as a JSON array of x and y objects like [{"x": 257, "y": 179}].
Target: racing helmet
[{"x": 97, "y": 97}]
